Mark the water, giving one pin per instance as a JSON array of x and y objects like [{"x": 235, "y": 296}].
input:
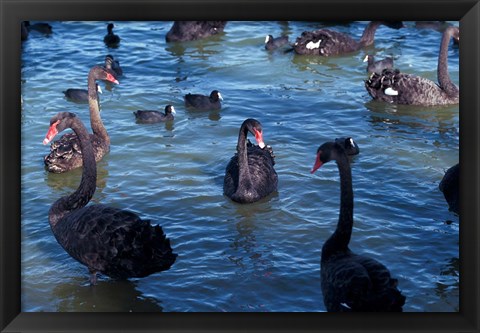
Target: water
[{"x": 263, "y": 256}]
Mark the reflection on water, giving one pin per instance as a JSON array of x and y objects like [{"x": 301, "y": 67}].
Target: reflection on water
[{"x": 106, "y": 296}]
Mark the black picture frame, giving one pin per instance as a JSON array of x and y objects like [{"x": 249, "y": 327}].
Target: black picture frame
[{"x": 14, "y": 11}]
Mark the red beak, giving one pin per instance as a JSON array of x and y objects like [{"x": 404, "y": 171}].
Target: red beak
[
  {"x": 111, "y": 78},
  {"x": 259, "y": 138},
  {"x": 52, "y": 131},
  {"x": 318, "y": 163}
]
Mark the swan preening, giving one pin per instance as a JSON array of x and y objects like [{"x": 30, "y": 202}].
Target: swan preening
[
  {"x": 108, "y": 240},
  {"x": 399, "y": 88},
  {"x": 250, "y": 175},
  {"x": 351, "y": 282},
  {"x": 65, "y": 153}
]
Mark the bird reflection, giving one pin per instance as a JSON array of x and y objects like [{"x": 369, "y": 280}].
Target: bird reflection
[{"x": 106, "y": 296}]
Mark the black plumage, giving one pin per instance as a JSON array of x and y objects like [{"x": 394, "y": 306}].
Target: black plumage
[
  {"x": 150, "y": 116},
  {"x": 351, "y": 282},
  {"x": 377, "y": 66},
  {"x": 450, "y": 187},
  {"x": 392, "y": 86},
  {"x": 203, "y": 102},
  {"x": 250, "y": 174},
  {"x": 182, "y": 31},
  {"x": 274, "y": 43},
  {"x": 111, "y": 40},
  {"x": 107, "y": 240}
]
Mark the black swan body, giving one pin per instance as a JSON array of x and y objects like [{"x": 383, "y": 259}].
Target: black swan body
[
  {"x": 392, "y": 86},
  {"x": 40, "y": 27},
  {"x": 351, "y": 282},
  {"x": 108, "y": 240},
  {"x": 202, "y": 102},
  {"x": 250, "y": 176},
  {"x": 326, "y": 42},
  {"x": 150, "y": 117},
  {"x": 182, "y": 31},
  {"x": 377, "y": 66},
  {"x": 110, "y": 39},
  {"x": 114, "y": 65},
  {"x": 450, "y": 187},
  {"x": 65, "y": 153},
  {"x": 80, "y": 95},
  {"x": 274, "y": 43}
]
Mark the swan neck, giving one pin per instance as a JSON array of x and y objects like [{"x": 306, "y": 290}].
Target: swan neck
[
  {"x": 86, "y": 189},
  {"x": 369, "y": 34},
  {"x": 243, "y": 169},
  {"x": 93, "y": 104},
  {"x": 442, "y": 69},
  {"x": 340, "y": 239}
]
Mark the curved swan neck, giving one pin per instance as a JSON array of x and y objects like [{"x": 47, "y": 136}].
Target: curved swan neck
[
  {"x": 340, "y": 239},
  {"x": 369, "y": 34},
  {"x": 86, "y": 189},
  {"x": 442, "y": 68},
  {"x": 95, "y": 121},
  {"x": 243, "y": 169}
]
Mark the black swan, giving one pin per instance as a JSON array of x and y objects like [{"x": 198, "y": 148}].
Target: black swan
[
  {"x": 114, "y": 65},
  {"x": 110, "y": 39},
  {"x": 250, "y": 175},
  {"x": 274, "y": 43},
  {"x": 351, "y": 282},
  {"x": 108, "y": 240},
  {"x": 349, "y": 145},
  {"x": 377, "y": 66},
  {"x": 450, "y": 187},
  {"x": 80, "y": 95},
  {"x": 41, "y": 27},
  {"x": 65, "y": 153},
  {"x": 149, "y": 117},
  {"x": 326, "y": 42},
  {"x": 182, "y": 31},
  {"x": 400, "y": 88},
  {"x": 202, "y": 102}
]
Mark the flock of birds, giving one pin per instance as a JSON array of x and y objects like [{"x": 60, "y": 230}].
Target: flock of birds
[{"x": 119, "y": 244}]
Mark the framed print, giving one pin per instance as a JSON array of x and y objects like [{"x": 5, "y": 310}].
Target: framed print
[{"x": 239, "y": 166}]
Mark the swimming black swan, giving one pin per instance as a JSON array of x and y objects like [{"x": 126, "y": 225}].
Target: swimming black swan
[
  {"x": 450, "y": 187},
  {"x": 400, "y": 88},
  {"x": 351, "y": 282},
  {"x": 274, "y": 43},
  {"x": 80, "y": 95},
  {"x": 377, "y": 66},
  {"x": 110, "y": 39},
  {"x": 149, "y": 117},
  {"x": 202, "y": 102},
  {"x": 250, "y": 175},
  {"x": 182, "y": 31},
  {"x": 326, "y": 42},
  {"x": 114, "y": 65},
  {"x": 65, "y": 153},
  {"x": 108, "y": 240}
]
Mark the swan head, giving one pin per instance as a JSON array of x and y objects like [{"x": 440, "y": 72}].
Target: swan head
[
  {"x": 327, "y": 152},
  {"x": 58, "y": 123},
  {"x": 254, "y": 127}
]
